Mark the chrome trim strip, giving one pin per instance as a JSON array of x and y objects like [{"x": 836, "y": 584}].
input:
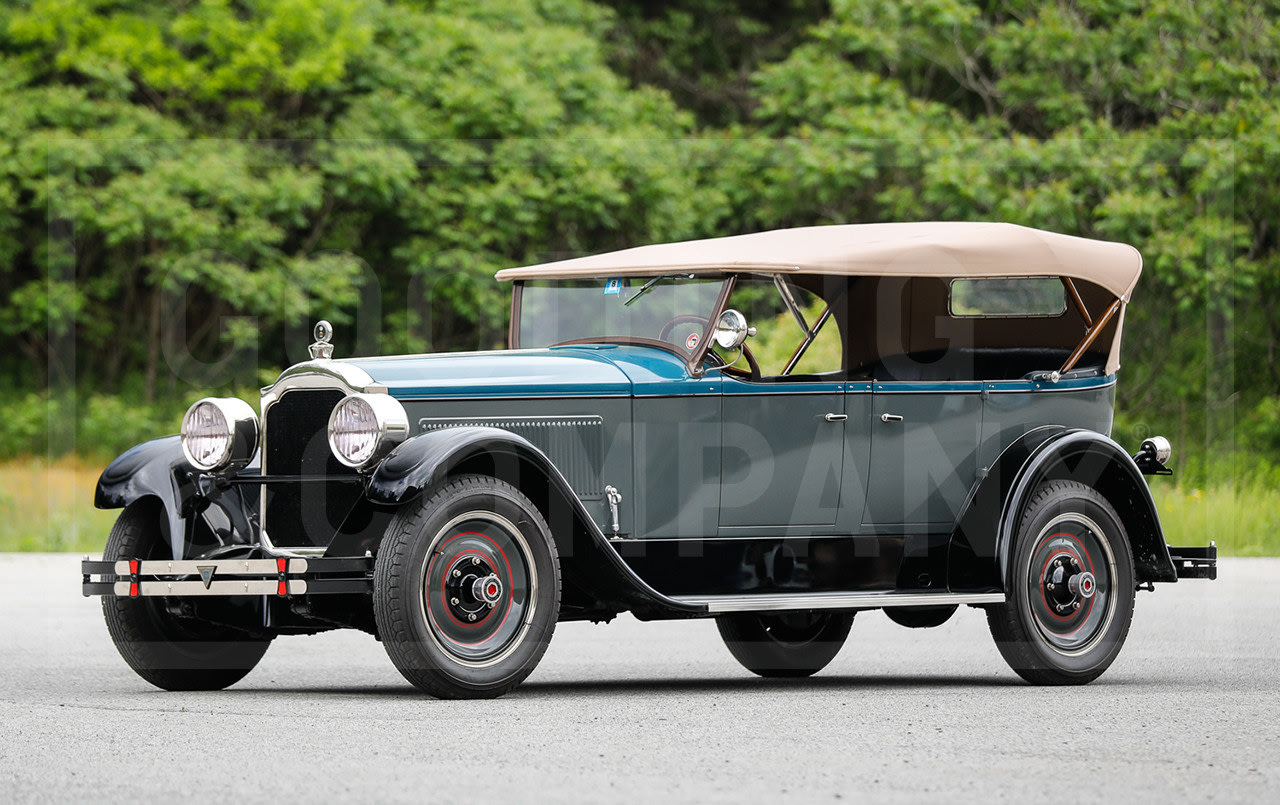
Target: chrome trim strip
[
  {"x": 216, "y": 588},
  {"x": 508, "y": 398},
  {"x": 221, "y": 567},
  {"x": 784, "y": 601},
  {"x": 774, "y": 393},
  {"x": 992, "y": 386},
  {"x": 551, "y": 420}
]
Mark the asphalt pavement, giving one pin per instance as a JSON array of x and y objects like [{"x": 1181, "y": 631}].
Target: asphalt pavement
[{"x": 634, "y": 711}]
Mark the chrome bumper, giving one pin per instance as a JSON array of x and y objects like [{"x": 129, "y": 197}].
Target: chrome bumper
[{"x": 282, "y": 577}]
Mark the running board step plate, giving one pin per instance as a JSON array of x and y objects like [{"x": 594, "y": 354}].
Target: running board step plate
[{"x": 782, "y": 601}]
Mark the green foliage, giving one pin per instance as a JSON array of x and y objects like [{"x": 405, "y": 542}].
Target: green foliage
[
  {"x": 184, "y": 187},
  {"x": 704, "y": 51}
]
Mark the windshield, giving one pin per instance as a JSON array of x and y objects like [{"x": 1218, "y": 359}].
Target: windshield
[{"x": 672, "y": 309}]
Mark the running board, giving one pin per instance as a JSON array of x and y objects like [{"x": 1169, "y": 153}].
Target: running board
[{"x": 783, "y": 601}]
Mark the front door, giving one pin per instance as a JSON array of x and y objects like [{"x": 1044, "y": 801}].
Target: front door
[{"x": 782, "y": 455}]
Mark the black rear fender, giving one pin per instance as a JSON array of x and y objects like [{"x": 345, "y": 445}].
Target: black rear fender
[{"x": 983, "y": 540}]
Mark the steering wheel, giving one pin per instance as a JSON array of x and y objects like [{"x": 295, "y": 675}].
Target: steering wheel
[
  {"x": 751, "y": 361},
  {"x": 684, "y": 318}
]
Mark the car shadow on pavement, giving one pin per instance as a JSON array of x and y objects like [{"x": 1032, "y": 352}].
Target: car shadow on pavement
[
  {"x": 631, "y": 687},
  {"x": 747, "y": 684}
]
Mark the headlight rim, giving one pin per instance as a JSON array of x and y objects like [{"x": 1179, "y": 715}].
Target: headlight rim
[
  {"x": 392, "y": 423},
  {"x": 241, "y": 441}
]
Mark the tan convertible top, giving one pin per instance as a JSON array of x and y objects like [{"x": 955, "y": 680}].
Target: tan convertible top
[{"x": 926, "y": 249}]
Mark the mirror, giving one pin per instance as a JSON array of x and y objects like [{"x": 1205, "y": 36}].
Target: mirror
[{"x": 732, "y": 330}]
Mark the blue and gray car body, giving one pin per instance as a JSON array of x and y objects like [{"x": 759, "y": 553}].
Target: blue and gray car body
[
  {"x": 728, "y": 496},
  {"x": 676, "y": 486}
]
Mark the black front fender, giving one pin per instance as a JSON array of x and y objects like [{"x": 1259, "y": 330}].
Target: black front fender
[
  {"x": 158, "y": 469},
  {"x": 982, "y": 543},
  {"x": 587, "y": 559}
]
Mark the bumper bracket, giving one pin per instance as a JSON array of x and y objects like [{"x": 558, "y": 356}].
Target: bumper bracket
[{"x": 1197, "y": 562}]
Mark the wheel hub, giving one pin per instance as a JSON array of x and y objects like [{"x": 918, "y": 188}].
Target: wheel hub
[
  {"x": 1067, "y": 585},
  {"x": 487, "y": 589},
  {"x": 472, "y": 588}
]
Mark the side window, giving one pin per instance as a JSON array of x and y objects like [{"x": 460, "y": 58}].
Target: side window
[{"x": 779, "y": 331}]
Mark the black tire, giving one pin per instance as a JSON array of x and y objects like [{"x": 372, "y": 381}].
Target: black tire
[
  {"x": 786, "y": 644},
  {"x": 448, "y": 627},
  {"x": 170, "y": 652},
  {"x": 1071, "y": 588},
  {"x": 920, "y": 617}
]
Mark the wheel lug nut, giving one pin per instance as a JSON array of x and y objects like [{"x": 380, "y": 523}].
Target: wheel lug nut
[
  {"x": 453, "y": 601},
  {"x": 491, "y": 606},
  {"x": 457, "y": 573},
  {"x": 1076, "y": 605},
  {"x": 471, "y": 616},
  {"x": 475, "y": 560},
  {"x": 1049, "y": 585}
]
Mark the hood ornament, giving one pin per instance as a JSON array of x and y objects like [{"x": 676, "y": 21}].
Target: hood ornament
[{"x": 322, "y": 349}]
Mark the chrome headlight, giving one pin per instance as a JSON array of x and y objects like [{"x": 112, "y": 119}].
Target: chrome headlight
[
  {"x": 219, "y": 433},
  {"x": 365, "y": 427}
]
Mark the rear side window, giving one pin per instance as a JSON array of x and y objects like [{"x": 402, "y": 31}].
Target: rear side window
[{"x": 1008, "y": 296}]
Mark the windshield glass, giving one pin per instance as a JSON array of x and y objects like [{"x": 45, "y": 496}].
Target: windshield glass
[{"x": 672, "y": 309}]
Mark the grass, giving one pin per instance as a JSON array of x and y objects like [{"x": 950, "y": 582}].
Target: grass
[
  {"x": 1244, "y": 519},
  {"x": 48, "y": 506}
]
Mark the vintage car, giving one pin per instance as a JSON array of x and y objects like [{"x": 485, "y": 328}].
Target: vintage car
[{"x": 922, "y": 424}]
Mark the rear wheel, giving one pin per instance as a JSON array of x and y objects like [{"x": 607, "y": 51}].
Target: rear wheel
[
  {"x": 1071, "y": 588},
  {"x": 786, "y": 644},
  {"x": 168, "y": 651},
  {"x": 467, "y": 589}
]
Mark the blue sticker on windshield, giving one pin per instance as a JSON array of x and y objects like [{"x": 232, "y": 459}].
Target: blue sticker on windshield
[{"x": 613, "y": 286}]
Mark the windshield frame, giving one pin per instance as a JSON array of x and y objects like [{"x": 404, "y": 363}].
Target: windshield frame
[{"x": 695, "y": 362}]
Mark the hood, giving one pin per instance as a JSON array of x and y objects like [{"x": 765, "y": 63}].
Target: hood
[{"x": 555, "y": 372}]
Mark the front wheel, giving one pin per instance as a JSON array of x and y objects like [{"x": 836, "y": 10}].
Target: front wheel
[
  {"x": 786, "y": 644},
  {"x": 170, "y": 652},
  {"x": 1071, "y": 588},
  {"x": 466, "y": 589}
]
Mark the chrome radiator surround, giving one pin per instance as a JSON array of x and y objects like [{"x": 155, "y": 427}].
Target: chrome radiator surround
[{"x": 316, "y": 375}]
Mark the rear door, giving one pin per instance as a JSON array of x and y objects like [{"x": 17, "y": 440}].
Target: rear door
[{"x": 924, "y": 454}]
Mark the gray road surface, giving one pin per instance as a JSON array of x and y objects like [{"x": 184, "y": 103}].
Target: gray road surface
[{"x": 655, "y": 712}]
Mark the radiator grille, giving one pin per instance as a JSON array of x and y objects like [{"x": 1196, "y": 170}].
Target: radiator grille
[
  {"x": 574, "y": 444},
  {"x": 296, "y": 443}
]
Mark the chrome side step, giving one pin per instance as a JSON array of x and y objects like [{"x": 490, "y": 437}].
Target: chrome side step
[{"x": 781, "y": 601}]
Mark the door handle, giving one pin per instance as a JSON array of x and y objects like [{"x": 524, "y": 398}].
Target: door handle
[
  {"x": 890, "y": 418},
  {"x": 836, "y": 417}
]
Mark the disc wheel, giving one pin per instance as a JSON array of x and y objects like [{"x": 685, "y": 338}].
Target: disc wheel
[
  {"x": 467, "y": 589},
  {"x": 171, "y": 652},
  {"x": 1070, "y": 599},
  {"x": 786, "y": 644}
]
